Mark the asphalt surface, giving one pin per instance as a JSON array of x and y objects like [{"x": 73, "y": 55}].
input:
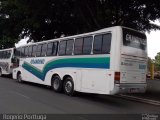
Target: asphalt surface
[
  {"x": 32, "y": 98},
  {"x": 153, "y": 85},
  {"x": 153, "y": 91}
]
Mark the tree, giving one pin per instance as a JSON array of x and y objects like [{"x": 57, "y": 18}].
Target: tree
[
  {"x": 48, "y": 19},
  {"x": 157, "y": 61}
]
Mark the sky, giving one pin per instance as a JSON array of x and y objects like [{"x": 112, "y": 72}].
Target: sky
[{"x": 153, "y": 40}]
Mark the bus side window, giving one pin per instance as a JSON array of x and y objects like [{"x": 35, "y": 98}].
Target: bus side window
[
  {"x": 17, "y": 52},
  {"x": 97, "y": 45},
  {"x": 69, "y": 47},
  {"x": 34, "y": 50},
  {"x": 55, "y": 48},
  {"x": 30, "y": 51},
  {"x": 0, "y": 54},
  {"x": 26, "y": 51},
  {"x": 52, "y": 49},
  {"x": 4, "y": 54},
  {"x": 38, "y": 51},
  {"x": 22, "y": 52},
  {"x": 62, "y": 47},
  {"x": 44, "y": 48},
  {"x": 102, "y": 44},
  {"x": 9, "y": 53},
  {"x": 87, "y": 45},
  {"x": 78, "y": 46},
  {"x": 106, "y": 43},
  {"x": 49, "y": 48}
]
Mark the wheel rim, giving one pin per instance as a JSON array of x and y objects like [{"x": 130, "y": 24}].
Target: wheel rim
[
  {"x": 68, "y": 86},
  {"x": 56, "y": 84}
]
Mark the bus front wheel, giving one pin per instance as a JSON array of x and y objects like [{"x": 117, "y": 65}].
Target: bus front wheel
[
  {"x": 0, "y": 72},
  {"x": 68, "y": 86},
  {"x": 56, "y": 83},
  {"x": 19, "y": 78}
]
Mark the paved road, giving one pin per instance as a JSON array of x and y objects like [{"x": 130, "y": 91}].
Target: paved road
[
  {"x": 153, "y": 91},
  {"x": 153, "y": 85},
  {"x": 32, "y": 98}
]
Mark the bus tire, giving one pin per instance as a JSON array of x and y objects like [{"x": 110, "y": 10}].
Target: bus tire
[
  {"x": 56, "y": 83},
  {"x": 68, "y": 86},
  {"x": 0, "y": 72},
  {"x": 19, "y": 78}
]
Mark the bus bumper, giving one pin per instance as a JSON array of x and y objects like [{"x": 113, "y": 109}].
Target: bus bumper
[{"x": 129, "y": 88}]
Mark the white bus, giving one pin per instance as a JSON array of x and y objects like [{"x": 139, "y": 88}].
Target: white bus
[
  {"x": 109, "y": 61},
  {"x": 7, "y": 61}
]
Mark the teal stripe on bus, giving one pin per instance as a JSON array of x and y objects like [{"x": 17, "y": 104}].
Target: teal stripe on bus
[{"x": 96, "y": 62}]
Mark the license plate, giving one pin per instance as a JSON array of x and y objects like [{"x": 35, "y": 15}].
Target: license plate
[{"x": 133, "y": 90}]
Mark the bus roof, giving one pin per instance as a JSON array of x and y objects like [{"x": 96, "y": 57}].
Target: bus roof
[{"x": 79, "y": 35}]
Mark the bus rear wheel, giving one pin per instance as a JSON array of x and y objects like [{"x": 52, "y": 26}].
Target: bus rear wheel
[
  {"x": 56, "y": 83},
  {"x": 68, "y": 86}
]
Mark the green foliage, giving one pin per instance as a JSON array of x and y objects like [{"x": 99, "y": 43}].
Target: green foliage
[
  {"x": 48, "y": 19},
  {"x": 157, "y": 61}
]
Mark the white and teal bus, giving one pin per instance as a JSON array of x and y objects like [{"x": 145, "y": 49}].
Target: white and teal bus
[
  {"x": 108, "y": 61},
  {"x": 7, "y": 61}
]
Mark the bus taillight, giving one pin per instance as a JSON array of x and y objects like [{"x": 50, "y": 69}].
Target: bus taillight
[{"x": 117, "y": 77}]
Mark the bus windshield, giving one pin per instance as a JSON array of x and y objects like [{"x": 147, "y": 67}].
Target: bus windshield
[{"x": 134, "y": 39}]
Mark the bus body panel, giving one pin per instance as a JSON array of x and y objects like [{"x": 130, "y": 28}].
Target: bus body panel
[{"x": 90, "y": 82}]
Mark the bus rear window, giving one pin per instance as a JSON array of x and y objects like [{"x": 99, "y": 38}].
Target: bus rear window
[{"x": 134, "y": 39}]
